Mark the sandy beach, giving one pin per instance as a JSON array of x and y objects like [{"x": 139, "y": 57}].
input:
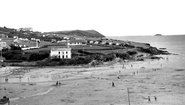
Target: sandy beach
[{"x": 93, "y": 86}]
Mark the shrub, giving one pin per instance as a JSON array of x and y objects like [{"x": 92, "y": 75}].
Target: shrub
[
  {"x": 131, "y": 52},
  {"x": 109, "y": 57},
  {"x": 123, "y": 55}
]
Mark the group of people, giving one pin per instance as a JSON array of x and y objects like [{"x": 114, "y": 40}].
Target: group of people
[
  {"x": 5, "y": 100},
  {"x": 6, "y": 79},
  {"x": 58, "y": 83},
  {"x": 149, "y": 100}
]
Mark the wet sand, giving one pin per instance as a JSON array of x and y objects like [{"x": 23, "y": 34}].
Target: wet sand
[{"x": 93, "y": 86}]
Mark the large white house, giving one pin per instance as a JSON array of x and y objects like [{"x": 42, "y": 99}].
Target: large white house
[{"x": 62, "y": 53}]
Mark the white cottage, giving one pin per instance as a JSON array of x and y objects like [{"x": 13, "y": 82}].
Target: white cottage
[{"x": 63, "y": 53}]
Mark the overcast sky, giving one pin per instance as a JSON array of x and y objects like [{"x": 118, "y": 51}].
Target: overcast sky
[{"x": 109, "y": 17}]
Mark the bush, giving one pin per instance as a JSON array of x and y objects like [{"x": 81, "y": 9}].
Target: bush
[
  {"x": 65, "y": 62},
  {"x": 131, "y": 52},
  {"x": 123, "y": 55},
  {"x": 13, "y": 55},
  {"x": 109, "y": 57},
  {"x": 37, "y": 56}
]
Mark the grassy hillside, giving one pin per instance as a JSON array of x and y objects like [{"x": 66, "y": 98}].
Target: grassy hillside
[
  {"x": 86, "y": 33},
  {"x": 10, "y": 32}
]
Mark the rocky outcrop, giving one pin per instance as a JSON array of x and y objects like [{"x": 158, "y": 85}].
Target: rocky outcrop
[{"x": 153, "y": 51}]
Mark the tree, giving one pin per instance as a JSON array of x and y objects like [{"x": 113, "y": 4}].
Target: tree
[{"x": 13, "y": 47}]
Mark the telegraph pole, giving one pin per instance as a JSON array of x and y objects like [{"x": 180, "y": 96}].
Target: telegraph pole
[{"x": 128, "y": 96}]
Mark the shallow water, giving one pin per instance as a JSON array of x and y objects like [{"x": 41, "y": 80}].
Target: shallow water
[{"x": 173, "y": 44}]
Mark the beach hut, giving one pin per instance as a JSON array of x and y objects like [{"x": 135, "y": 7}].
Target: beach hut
[
  {"x": 117, "y": 44},
  {"x": 96, "y": 42},
  {"x": 110, "y": 43},
  {"x": 113, "y": 43},
  {"x": 121, "y": 44},
  {"x": 90, "y": 41},
  {"x": 103, "y": 42}
]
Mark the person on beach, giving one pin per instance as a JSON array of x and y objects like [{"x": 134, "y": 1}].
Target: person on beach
[
  {"x": 6, "y": 79},
  {"x": 123, "y": 66},
  {"x": 155, "y": 98},
  {"x": 113, "y": 84},
  {"x": 20, "y": 79},
  {"x": 167, "y": 59},
  {"x": 131, "y": 65},
  {"x": 119, "y": 72},
  {"x": 57, "y": 83},
  {"x": 149, "y": 99}
]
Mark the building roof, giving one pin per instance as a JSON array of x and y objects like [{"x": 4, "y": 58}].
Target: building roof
[
  {"x": 60, "y": 49},
  {"x": 74, "y": 41}
]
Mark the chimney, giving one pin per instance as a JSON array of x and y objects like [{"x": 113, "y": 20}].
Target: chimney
[{"x": 67, "y": 44}]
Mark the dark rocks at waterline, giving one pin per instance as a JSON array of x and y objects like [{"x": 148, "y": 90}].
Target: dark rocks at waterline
[
  {"x": 140, "y": 59},
  {"x": 155, "y": 57},
  {"x": 153, "y": 51},
  {"x": 162, "y": 48}
]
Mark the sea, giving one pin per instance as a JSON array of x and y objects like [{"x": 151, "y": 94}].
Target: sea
[{"x": 174, "y": 44}]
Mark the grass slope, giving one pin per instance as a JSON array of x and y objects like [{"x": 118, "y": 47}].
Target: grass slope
[{"x": 86, "y": 33}]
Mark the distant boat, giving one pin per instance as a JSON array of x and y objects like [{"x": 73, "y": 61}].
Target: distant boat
[{"x": 158, "y": 34}]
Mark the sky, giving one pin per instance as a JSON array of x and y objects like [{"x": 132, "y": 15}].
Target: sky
[{"x": 109, "y": 17}]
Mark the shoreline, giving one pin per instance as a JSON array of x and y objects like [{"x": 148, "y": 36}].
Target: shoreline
[{"x": 22, "y": 71}]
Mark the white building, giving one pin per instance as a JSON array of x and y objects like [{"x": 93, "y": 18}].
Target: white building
[
  {"x": 33, "y": 39},
  {"x": 76, "y": 42},
  {"x": 103, "y": 42},
  {"x": 110, "y": 43},
  {"x": 96, "y": 42},
  {"x": 63, "y": 53}
]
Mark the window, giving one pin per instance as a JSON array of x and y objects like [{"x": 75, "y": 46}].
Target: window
[
  {"x": 66, "y": 52},
  {"x": 59, "y": 52}
]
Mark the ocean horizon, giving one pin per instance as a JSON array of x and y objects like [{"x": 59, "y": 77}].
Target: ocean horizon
[{"x": 174, "y": 44}]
